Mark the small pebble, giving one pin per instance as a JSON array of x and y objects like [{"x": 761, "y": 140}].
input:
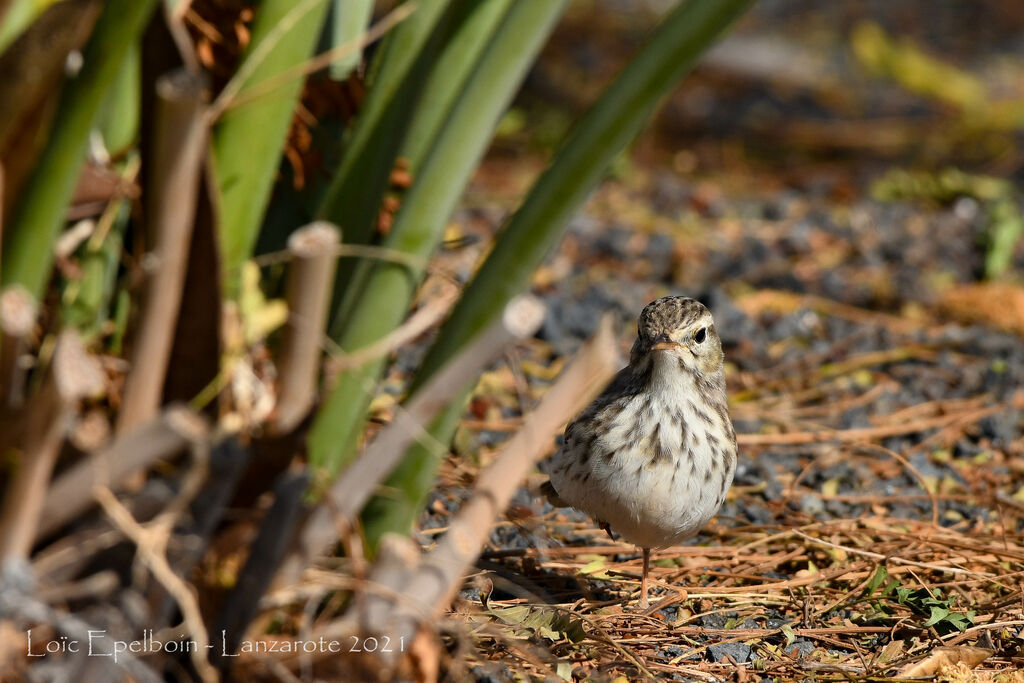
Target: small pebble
[{"x": 739, "y": 652}]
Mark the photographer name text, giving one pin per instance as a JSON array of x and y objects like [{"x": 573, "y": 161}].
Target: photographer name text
[{"x": 100, "y": 643}]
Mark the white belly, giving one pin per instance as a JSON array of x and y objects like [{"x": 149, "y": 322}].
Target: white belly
[{"x": 663, "y": 485}]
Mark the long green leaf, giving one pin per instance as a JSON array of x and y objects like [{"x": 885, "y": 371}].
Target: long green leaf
[
  {"x": 86, "y": 300},
  {"x": 409, "y": 484},
  {"x": 354, "y": 197},
  {"x": 121, "y": 108},
  {"x": 599, "y": 136},
  {"x": 464, "y": 31},
  {"x": 249, "y": 139},
  {"x": 424, "y": 213},
  {"x": 17, "y": 17},
  {"x": 40, "y": 213},
  {"x": 448, "y": 77},
  {"x": 350, "y": 20}
]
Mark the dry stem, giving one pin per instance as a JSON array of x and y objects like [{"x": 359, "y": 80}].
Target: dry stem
[
  {"x": 173, "y": 189},
  {"x": 354, "y": 487},
  {"x": 310, "y": 284},
  {"x": 73, "y": 375},
  {"x": 71, "y": 494},
  {"x": 152, "y": 546},
  {"x": 432, "y": 582}
]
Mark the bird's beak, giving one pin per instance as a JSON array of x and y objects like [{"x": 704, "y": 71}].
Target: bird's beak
[{"x": 663, "y": 343}]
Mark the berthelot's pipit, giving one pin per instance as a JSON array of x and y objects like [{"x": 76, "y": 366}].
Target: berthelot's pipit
[{"x": 653, "y": 456}]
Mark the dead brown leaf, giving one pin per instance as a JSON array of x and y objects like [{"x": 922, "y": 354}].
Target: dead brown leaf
[
  {"x": 425, "y": 656},
  {"x": 996, "y": 304}
]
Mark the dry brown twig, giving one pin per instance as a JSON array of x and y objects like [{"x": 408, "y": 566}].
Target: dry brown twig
[
  {"x": 174, "y": 16},
  {"x": 867, "y": 433},
  {"x": 20, "y": 606},
  {"x": 151, "y": 541},
  {"x": 431, "y": 313},
  {"x": 406, "y": 587},
  {"x": 152, "y": 538},
  {"x": 173, "y": 189},
  {"x": 174, "y": 430}
]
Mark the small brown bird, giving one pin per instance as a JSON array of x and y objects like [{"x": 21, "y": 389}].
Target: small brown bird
[{"x": 653, "y": 456}]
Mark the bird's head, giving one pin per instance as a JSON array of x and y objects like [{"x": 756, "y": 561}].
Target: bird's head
[{"x": 682, "y": 328}]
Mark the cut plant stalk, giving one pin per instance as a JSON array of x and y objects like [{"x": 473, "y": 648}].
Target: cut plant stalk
[
  {"x": 169, "y": 433},
  {"x": 17, "y": 318},
  {"x": 73, "y": 375},
  {"x": 347, "y": 495},
  {"x": 420, "y": 222},
  {"x": 602, "y": 134},
  {"x": 181, "y": 131},
  {"x": 248, "y": 140},
  {"x": 308, "y": 293}
]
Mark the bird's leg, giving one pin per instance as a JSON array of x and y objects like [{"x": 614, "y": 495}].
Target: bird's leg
[{"x": 643, "y": 579}]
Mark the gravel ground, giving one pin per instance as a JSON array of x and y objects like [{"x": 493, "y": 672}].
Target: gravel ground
[{"x": 832, "y": 321}]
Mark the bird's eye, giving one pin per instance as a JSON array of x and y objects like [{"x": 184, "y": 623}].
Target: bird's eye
[{"x": 701, "y": 335}]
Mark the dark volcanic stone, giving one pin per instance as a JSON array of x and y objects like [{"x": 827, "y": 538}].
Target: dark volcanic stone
[
  {"x": 800, "y": 648},
  {"x": 812, "y": 505},
  {"x": 773, "y": 491},
  {"x": 755, "y": 513},
  {"x": 1002, "y": 428},
  {"x": 716, "y": 621},
  {"x": 492, "y": 673},
  {"x": 740, "y": 652}
]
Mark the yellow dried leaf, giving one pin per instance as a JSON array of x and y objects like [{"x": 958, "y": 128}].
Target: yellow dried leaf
[
  {"x": 545, "y": 372},
  {"x": 893, "y": 650},
  {"x": 595, "y": 568},
  {"x": 1019, "y": 495},
  {"x": 382, "y": 403}
]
